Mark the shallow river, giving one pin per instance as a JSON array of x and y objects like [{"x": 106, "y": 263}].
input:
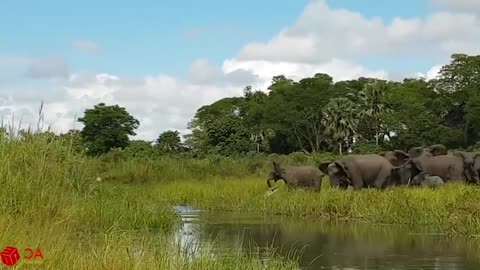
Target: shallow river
[{"x": 322, "y": 245}]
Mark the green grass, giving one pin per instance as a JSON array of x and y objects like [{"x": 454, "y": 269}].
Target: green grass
[
  {"x": 453, "y": 209},
  {"x": 50, "y": 199}
]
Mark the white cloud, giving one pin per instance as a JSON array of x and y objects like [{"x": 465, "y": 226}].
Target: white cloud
[
  {"x": 321, "y": 33},
  {"x": 86, "y": 46},
  {"x": 322, "y": 40},
  {"x": 48, "y": 67},
  {"x": 202, "y": 72},
  {"x": 265, "y": 70},
  {"x": 432, "y": 73},
  {"x": 457, "y": 4},
  {"x": 160, "y": 102}
]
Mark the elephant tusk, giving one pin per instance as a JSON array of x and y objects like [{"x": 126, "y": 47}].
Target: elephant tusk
[{"x": 408, "y": 183}]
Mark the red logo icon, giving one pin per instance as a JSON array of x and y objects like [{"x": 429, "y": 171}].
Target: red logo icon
[{"x": 10, "y": 256}]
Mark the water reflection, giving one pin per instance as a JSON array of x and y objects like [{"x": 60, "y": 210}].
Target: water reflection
[{"x": 326, "y": 245}]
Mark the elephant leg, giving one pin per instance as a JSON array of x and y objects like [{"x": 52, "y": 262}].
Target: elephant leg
[
  {"x": 454, "y": 175},
  {"x": 357, "y": 182},
  {"x": 476, "y": 177},
  {"x": 316, "y": 184},
  {"x": 379, "y": 182}
]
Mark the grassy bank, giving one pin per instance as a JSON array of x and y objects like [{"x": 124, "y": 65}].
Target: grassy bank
[
  {"x": 452, "y": 209},
  {"x": 118, "y": 166},
  {"x": 50, "y": 200}
]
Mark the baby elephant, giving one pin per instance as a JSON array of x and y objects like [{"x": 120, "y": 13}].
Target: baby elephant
[
  {"x": 427, "y": 180},
  {"x": 296, "y": 176}
]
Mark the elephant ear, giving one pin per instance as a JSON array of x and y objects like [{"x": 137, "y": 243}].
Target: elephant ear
[
  {"x": 400, "y": 157},
  {"x": 343, "y": 168},
  {"x": 323, "y": 166}
]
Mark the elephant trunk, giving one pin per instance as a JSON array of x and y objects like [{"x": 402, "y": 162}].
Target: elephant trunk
[{"x": 268, "y": 183}]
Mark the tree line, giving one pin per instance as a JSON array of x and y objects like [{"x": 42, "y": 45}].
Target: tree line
[
  {"x": 311, "y": 115},
  {"x": 316, "y": 114}
]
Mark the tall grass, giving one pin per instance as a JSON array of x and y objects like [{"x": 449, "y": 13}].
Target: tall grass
[
  {"x": 53, "y": 199},
  {"x": 119, "y": 166},
  {"x": 453, "y": 209}
]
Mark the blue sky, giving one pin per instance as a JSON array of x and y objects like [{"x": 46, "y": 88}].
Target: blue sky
[
  {"x": 146, "y": 36},
  {"x": 153, "y": 56},
  {"x": 142, "y": 36}
]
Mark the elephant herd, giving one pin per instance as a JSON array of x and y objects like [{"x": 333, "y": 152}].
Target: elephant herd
[{"x": 421, "y": 166}]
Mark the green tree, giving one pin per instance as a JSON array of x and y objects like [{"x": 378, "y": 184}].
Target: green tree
[
  {"x": 340, "y": 121},
  {"x": 169, "y": 142},
  {"x": 459, "y": 81},
  {"x": 140, "y": 148},
  {"x": 373, "y": 100},
  {"x": 221, "y": 128},
  {"x": 294, "y": 108},
  {"x": 252, "y": 114},
  {"x": 107, "y": 127}
]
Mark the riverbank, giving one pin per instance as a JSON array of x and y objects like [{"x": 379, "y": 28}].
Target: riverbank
[
  {"x": 85, "y": 212},
  {"x": 52, "y": 202},
  {"x": 450, "y": 210}
]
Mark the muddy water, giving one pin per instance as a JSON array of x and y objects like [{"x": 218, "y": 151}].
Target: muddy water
[{"x": 322, "y": 245}]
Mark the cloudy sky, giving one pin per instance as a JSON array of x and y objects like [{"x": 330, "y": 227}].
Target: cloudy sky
[{"x": 162, "y": 60}]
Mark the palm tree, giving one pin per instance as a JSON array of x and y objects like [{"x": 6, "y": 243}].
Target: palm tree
[
  {"x": 373, "y": 100},
  {"x": 340, "y": 120}
]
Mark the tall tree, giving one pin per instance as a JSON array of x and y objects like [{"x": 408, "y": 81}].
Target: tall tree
[
  {"x": 459, "y": 81},
  {"x": 169, "y": 142},
  {"x": 373, "y": 99},
  {"x": 340, "y": 121},
  {"x": 107, "y": 127},
  {"x": 221, "y": 128},
  {"x": 296, "y": 108}
]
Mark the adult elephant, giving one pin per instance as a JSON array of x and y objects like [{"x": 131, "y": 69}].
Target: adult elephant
[
  {"x": 448, "y": 167},
  {"x": 359, "y": 171},
  {"x": 396, "y": 157},
  {"x": 471, "y": 163},
  {"x": 432, "y": 150},
  {"x": 399, "y": 157}
]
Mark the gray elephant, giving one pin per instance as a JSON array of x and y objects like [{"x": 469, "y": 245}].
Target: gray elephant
[
  {"x": 359, "y": 171},
  {"x": 432, "y": 150},
  {"x": 471, "y": 163},
  {"x": 426, "y": 180},
  {"x": 399, "y": 157},
  {"x": 296, "y": 176},
  {"x": 448, "y": 167},
  {"x": 396, "y": 157}
]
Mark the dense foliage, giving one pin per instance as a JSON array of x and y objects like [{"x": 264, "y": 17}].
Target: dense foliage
[
  {"x": 107, "y": 127},
  {"x": 316, "y": 114},
  {"x": 313, "y": 115}
]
